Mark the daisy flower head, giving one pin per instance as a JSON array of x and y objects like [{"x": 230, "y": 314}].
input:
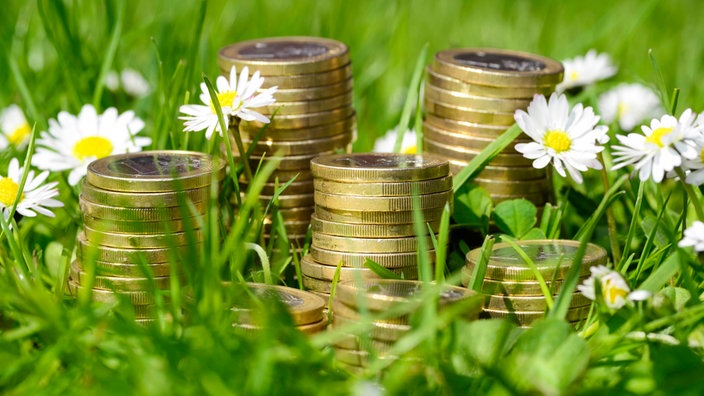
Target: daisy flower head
[
  {"x": 14, "y": 127},
  {"x": 385, "y": 144},
  {"x": 694, "y": 236},
  {"x": 237, "y": 98},
  {"x": 614, "y": 289},
  {"x": 585, "y": 70},
  {"x": 569, "y": 139},
  {"x": 662, "y": 147},
  {"x": 630, "y": 105},
  {"x": 73, "y": 142},
  {"x": 35, "y": 197}
]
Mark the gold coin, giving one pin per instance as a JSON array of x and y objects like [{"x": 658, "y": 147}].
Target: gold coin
[
  {"x": 131, "y": 270},
  {"x": 552, "y": 258},
  {"x": 380, "y": 204},
  {"x": 356, "y": 342},
  {"x": 267, "y": 132},
  {"x": 368, "y": 245},
  {"x": 378, "y": 167},
  {"x": 140, "y": 227},
  {"x": 292, "y": 227},
  {"x": 355, "y": 259},
  {"x": 466, "y": 140},
  {"x": 339, "y": 308},
  {"x": 367, "y": 217},
  {"x": 112, "y": 296},
  {"x": 518, "y": 187},
  {"x": 468, "y": 114},
  {"x": 496, "y": 67},
  {"x": 141, "y": 240},
  {"x": 366, "y": 230},
  {"x": 314, "y": 93},
  {"x": 526, "y": 318},
  {"x": 536, "y": 199},
  {"x": 106, "y": 212},
  {"x": 285, "y": 175},
  {"x": 144, "y": 200},
  {"x": 295, "y": 188},
  {"x": 301, "y": 147},
  {"x": 155, "y": 171},
  {"x": 454, "y": 98},
  {"x": 304, "y": 81},
  {"x": 512, "y": 173},
  {"x": 307, "y": 107},
  {"x": 118, "y": 283},
  {"x": 301, "y": 121},
  {"x": 296, "y": 214},
  {"x": 314, "y": 328},
  {"x": 476, "y": 129},
  {"x": 313, "y": 269},
  {"x": 529, "y": 303},
  {"x": 285, "y": 162},
  {"x": 466, "y": 154},
  {"x": 289, "y": 201},
  {"x": 512, "y": 288},
  {"x": 510, "y": 92},
  {"x": 305, "y": 308},
  {"x": 119, "y": 256},
  {"x": 315, "y": 284},
  {"x": 384, "y": 189},
  {"x": 279, "y": 56},
  {"x": 379, "y": 331},
  {"x": 359, "y": 358}
]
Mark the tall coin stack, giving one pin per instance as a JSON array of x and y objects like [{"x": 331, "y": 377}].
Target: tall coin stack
[
  {"x": 511, "y": 286},
  {"x": 136, "y": 220},
  {"x": 364, "y": 210},
  {"x": 470, "y": 99},
  {"x": 379, "y": 296},
  {"x": 313, "y": 115}
]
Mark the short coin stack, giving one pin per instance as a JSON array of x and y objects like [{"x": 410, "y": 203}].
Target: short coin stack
[
  {"x": 378, "y": 296},
  {"x": 512, "y": 288},
  {"x": 364, "y": 210},
  {"x": 306, "y": 309},
  {"x": 470, "y": 99},
  {"x": 313, "y": 114},
  {"x": 136, "y": 220}
]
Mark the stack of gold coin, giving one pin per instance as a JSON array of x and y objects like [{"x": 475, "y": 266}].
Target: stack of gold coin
[
  {"x": 470, "y": 98},
  {"x": 364, "y": 210},
  {"x": 313, "y": 115},
  {"x": 512, "y": 288},
  {"x": 140, "y": 214},
  {"x": 306, "y": 309},
  {"x": 379, "y": 296}
]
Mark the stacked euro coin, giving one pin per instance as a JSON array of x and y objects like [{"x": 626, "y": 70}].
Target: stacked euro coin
[
  {"x": 312, "y": 115},
  {"x": 140, "y": 214},
  {"x": 511, "y": 287},
  {"x": 470, "y": 99},
  {"x": 389, "y": 304},
  {"x": 364, "y": 205},
  {"x": 305, "y": 309}
]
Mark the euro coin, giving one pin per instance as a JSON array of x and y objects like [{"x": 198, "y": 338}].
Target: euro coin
[
  {"x": 141, "y": 240},
  {"x": 468, "y": 114},
  {"x": 289, "y": 201},
  {"x": 510, "y": 92},
  {"x": 358, "y": 259},
  {"x": 266, "y": 131},
  {"x": 522, "y": 318},
  {"x": 305, "y": 80},
  {"x": 378, "y": 167},
  {"x": 305, "y": 308},
  {"x": 513, "y": 288},
  {"x": 380, "y": 204},
  {"x": 281, "y": 108},
  {"x": 529, "y": 303},
  {"x": 369, "y": 245},
  {"x": 384, "y": 189},
  {"x": 315, "y": 284},
  {"x": 383, "y": 217},
  {"x": 286, "y": 162},
  {"x": 296, "y": 214},
  {"x": 465, "y": 154},
  {"x": 476, "y": 129},
  {"x": 144, "y": 200},
  {"x": 110, "y": 296},
  {"x": 390, "y": 332},
  {"x": 454, "y": 98},
  {"x": 313, "y": 93},
  {"x": 313, "y": 328},
  {"x": 338, "y": 308},
  {"x": 118, "y": 213},
  {"x": 301, "y": 147},
  {"x": 88, "y": 250},
  {"x": 466, "y": 140},
  {"x": 303, "y": 187},
  {"x": 518, "y": 187},
  {"x": 118, "y": 283},
  {"x": 140, "y": 227},
  {"x": 300, "y": 121},
  {"x": 313, "y": 269},
  {"x": 131, "y": 270},
  {"x": 367, "y": 230}
]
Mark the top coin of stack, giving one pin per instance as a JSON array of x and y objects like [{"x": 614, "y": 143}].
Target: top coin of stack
[
  {"x": 470, "y": 98},
  {"x": 134, "y": 213},
  {"x": 512, "y": 288},
  {"x": 364, "y": 210},
  {"x": 313, "y": 113}
]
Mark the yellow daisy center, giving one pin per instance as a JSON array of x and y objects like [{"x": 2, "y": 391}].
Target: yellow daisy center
[
  {"x": 226, "y": 99},
  {"x": 8, "y": 191},
  {"x": 92, "y": 146},
  {"x": 410, "y": 150},
  {"x": 657, "y": 135},
  {"x": 18, "y": 135},
  {"x": 557, "y": 140},
  {"x": 574, "y": 76},
  {"x": 612, "y": 291}
]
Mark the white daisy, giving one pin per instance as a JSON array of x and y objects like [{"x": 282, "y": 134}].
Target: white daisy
[
  {"x": 567, "y": 138},
  {"x": 385, "y": 144},
  {"x": 73, "y": 142},
  {"x": 585, "y": 70},
  {"x": 614, "y": 289},
  {"x": 14, "y": 127},
  {"x": 236, "y": 97},
  {"x": 630, "y": 105},
  {"x": 35, "y": 197},
  {"x": 661, "y": 148},
  {"x": 694, "y": 236}
]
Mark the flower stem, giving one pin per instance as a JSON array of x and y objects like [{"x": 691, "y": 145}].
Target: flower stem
[
  {"x": 691, "y": 193},
  {"x": 240, "y": 148},
  {"x": 610, "y": 219}
]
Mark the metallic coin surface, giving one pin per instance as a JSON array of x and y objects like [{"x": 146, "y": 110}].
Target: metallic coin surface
[
  {"x": 356, "y": 259},
  {"x": 305, "y": 308},
  {"x": 522, "y": 318},
  {"x": 300, "y": 147},
  {"x": 266, "y": 131},
  {"x": 384, "y": 189},
  {"x": 119, "y": 213},
  {"x": 509, "y": 92},
  {"x": 368, "y": 245},
  {"x": 366, "y": 230},
  {"x": 367, "y": 217},
  {"x": 529, "y": 303},
  {"x": 305, "y": 80},
  {"x": 135, "y": 297},
  {"x": 313, "y": 269},
  {"x": 140, "y": 227},
  {"x": 144, "y": 200},
  {"x": 92, "y": 251},
  {"x": 453, "y": 98},
  {"x": 301, "y": 121},
  {"x": 381, "y": 204},
  {"x": 377, "y": 167},
  {"x": 77, "y": 275},
  {"x": 465, "y": 154},
  {"x": 164, "y": 240},
  {"x": 313, "y": 93},
  {"x": 468, "y": 114},
  {"x": 309, "y": 106}
]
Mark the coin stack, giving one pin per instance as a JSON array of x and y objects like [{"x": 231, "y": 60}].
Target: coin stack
[
  {"x": 138, "y": 217},
  {"x": 305, "y": 309},
  {"x": 512, "y": 288},
  {"x": 470, "y": 99},
  {"x": 364, "y": 210},
  {"x": 313, "y": 115},
  {"x": 379, "y": 296}
]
